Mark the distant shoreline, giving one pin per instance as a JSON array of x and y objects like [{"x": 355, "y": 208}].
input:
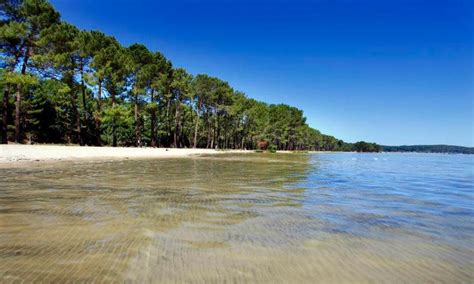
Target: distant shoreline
[{"x": 439, "y": 148}]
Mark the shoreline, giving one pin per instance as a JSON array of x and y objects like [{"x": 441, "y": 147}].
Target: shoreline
[
  {"x": 20, "y": 154},
  {"x": 23, "y": 154}
]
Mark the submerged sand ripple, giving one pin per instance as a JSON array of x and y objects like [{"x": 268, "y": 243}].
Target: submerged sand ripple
[{"x": 204, "y": 219}]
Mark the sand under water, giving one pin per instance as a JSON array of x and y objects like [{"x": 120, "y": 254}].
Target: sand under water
[{"x": 275, "y": 218}]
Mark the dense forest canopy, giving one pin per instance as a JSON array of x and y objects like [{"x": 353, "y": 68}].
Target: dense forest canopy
[
  {"x": 430, "y": 149},
  {"x": 61, "y": 84}
]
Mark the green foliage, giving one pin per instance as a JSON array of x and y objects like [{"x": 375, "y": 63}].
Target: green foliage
[
  {"x": 48, "y": 113},
  {"x": 272, "y": 148},
  {"x": 430, "y": 149},
  {"x": 24, "y": 80},
  {"x": 362, "y": 146},
  {"x": 118, "y": 119}
]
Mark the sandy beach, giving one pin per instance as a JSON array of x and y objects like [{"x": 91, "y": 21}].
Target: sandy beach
[{"x": 28, "y": 153}]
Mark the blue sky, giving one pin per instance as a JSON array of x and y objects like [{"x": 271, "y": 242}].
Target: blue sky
[{"x": 392, "y": 72}]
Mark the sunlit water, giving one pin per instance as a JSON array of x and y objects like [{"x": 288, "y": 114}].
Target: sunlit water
[{"x": 256, "y": 217}]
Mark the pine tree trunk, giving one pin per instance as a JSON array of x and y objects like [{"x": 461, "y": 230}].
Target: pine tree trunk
[
  {"x": 97, "y": 119},
  {"x": 217, "y": 131},
  {"x": 168, "y": 120},
  {"x": 176, "y": 126},
  {"x": 77, "y": 119},
  {"x": 196, "y": 126},
  {"x": 77, "y": 115},
  {"x": 17, "y": 116},
  {"x": 114, "y": 128},
  {"x": 5, "y": 116},
  {"x": 137, "y": 124},
  {"x": 84, "y": 105},
  {"x": 153, "y": 121},
  {"x": 83, "y": 89},
  {"x": 18, "y": 98},
  {"x": 114, "y": 134},
  {"x": 209, "y": 133},
  {"x": 75, "y": 107}
]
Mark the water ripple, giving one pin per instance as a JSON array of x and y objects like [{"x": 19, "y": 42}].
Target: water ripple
[{"x": 240, "y": 218}]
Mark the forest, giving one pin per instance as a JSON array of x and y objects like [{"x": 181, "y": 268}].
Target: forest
[
  {"x": 450, "y": 149},
  {"x": 64, "y": 85}
]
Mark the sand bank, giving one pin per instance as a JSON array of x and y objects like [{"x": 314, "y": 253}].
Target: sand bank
[{"x": 28, "y": 153}]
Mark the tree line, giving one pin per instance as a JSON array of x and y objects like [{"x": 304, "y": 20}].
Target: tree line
[
  {"x": 65, "y": 85},
  {"x": 450, "y": 149}
]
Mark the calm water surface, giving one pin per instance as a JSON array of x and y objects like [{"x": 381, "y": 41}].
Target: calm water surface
[{"x": 256, "y": 217}]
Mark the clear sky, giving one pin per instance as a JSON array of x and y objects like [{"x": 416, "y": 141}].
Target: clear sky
[{"x": 388, "y": 71}]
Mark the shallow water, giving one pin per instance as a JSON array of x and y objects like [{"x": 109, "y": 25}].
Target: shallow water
[{"x": 247, "y": 217}]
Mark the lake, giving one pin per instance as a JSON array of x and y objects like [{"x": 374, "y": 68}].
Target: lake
[{"x": 279, "y": 218}]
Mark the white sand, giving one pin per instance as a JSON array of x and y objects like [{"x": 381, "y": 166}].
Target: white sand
[{"x": 24, "y": 153}]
